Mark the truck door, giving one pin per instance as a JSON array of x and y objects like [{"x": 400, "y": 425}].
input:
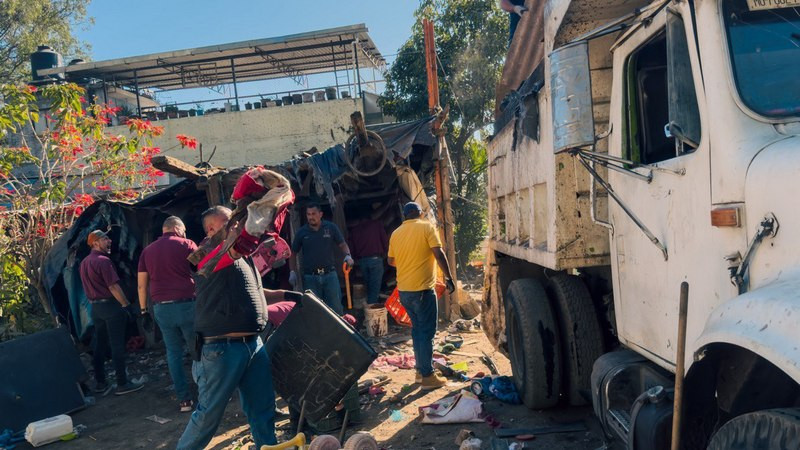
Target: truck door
[{"x": 657, "y": 114}]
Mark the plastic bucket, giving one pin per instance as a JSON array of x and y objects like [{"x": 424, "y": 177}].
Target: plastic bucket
[
  {"x": 48, "y": 430},
  {"x": 319, "y": 96},
  {"x": 330, "y": 92},
  {"x": 297, "y": 99},
  {"x": 376, "y": 321},
  {"x": 308, "y": 97}
]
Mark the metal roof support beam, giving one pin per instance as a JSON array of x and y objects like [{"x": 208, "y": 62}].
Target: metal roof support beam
[
  {"x": 357, "y": 68},
  {"x": 138, "y": 102},
  {"x": 182, "y": 70},
  {"x": 293, "y": 73},
  {"x": 235, "y": 89}
]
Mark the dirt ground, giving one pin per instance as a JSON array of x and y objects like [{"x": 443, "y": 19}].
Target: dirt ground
[{"x": 122, "y": 422}]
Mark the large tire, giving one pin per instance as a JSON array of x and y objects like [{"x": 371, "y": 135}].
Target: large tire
[
  {"x": 771, "y": 429},
  {"x": 581, "y": 335},
  {"x": 533, "y": 343}
]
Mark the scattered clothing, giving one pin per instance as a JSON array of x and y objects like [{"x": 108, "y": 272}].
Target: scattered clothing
[
  {"x": 463, "y": 407},
  {"x": 392, "y": 363}
]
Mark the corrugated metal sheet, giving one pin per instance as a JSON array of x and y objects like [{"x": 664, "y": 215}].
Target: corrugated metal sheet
[{"x": 293, "y": 56}]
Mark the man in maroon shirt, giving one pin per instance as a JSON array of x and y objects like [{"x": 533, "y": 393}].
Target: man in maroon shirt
[
  {"x": 369, "y": 244},
  {"x": 163, "y": 269},
  {"x": 109, "y": 310}
]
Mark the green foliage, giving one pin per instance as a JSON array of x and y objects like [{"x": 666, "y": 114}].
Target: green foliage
[
  {"x": 471, "y": 40},
  {"x": 25, "y": 24}
]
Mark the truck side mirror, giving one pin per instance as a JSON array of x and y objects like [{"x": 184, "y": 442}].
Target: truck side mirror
[{"x": 571, "y": 95}]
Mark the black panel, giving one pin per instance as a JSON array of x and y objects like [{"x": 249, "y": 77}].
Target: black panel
[{"x": 39, "y": 378}]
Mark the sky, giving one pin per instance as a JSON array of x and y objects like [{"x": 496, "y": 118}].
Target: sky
[{"x": 123, "y": 29}]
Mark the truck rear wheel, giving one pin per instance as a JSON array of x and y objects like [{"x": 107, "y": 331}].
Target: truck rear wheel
[
  {"x": 533, "y": 342},
  {"x": 581, "y": 336},
  {"x": 769, "y": 429}
]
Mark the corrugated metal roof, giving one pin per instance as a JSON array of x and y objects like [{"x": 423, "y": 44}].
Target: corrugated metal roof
[{"x": 291, "y": 56}]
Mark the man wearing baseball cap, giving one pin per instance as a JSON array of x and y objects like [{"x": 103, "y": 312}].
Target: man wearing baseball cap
[
  {"x": 414, "y": 249},
  {"x": 109, "y": 310}
]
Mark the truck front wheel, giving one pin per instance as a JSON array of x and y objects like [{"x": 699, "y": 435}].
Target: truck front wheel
[
  {"x": 534, "y": 344},
  {"x": 777, "y": 429}
]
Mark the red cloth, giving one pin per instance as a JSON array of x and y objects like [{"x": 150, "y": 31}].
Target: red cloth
[
  {"x": 169, "y": 273},
  {"x": 246, "y": 186},
  {"x": 97, "y": 274},
  {"x": 277, "y": 312}
]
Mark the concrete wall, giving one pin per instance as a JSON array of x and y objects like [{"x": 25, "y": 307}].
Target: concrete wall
[{"x": 258, "y": 136}]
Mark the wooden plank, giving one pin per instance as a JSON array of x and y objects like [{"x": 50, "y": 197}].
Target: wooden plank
[{"x": 177, "y": 167}]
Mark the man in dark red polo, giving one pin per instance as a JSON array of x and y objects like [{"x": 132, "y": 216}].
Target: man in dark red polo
[
  {"x": 109, "y": 310},
  {"x": 165, "y": 272}
]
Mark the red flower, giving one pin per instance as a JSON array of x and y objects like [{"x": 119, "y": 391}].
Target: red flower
[
  {"x": 84, "y": 199},
  {"x": 187, "y": 141},
  {"x": 31, "y": 89},
  {"x": 103, "y": 187}
]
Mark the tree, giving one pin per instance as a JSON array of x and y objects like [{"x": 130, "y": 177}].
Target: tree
[
  {"x": 56, "y": 158},
  {"x": 471, "y": 40},
  {"x": 25, "y": 24}
]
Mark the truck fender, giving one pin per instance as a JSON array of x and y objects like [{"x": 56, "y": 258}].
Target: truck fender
[{"x": 763, "y": 321}]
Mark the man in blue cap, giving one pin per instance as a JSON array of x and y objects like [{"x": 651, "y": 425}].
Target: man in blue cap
[{"x": 414, "y": 249}]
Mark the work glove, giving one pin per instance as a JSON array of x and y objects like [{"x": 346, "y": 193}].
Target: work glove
[
  {"x": 451, "y": 287},
  {"x": 131, "y": 311},
  {"x": 293, "y": 278},
  {"x": 520, "y": 10},
  {"x": 146, "y": 320},
  {"x": 349, "y": 260}
]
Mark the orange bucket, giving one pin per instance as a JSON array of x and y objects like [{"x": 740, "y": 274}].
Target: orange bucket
[{"x": 398, "y": 312}]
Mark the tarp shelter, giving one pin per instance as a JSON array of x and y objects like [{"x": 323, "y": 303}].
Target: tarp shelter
[{"x": 322, "y": 177}]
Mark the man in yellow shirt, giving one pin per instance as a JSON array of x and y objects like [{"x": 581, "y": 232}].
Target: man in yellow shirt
[{"x": 414, "y": 249}]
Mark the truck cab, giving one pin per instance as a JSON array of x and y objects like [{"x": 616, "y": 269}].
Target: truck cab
[{"x": 667, "y": 149}]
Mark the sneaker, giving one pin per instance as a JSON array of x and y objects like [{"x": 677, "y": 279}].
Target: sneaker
[
  {"x": 432, "y": 381},
  {"x": 102, "y": 388},
  {"x": 187, "y": 406},
  {"x": 128, "y": 387}
]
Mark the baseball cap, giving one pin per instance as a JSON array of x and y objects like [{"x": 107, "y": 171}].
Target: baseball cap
[
  {"x": 95, "y": 236},
  {"x": 410, "y": 208}
]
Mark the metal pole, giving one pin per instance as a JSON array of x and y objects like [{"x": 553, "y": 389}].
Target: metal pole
[
  {"x": 136, "y": 85},
  {"x": 677, "y": 407},
  {"x": 358, "y": 69},
  {"x": 235, "y": 90},
  {"x": 335, "y": 74}
]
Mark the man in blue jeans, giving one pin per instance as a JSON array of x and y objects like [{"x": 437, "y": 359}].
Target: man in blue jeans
[
  {"x": 414, "y": 249},
  {"x": 317, "y": 242},
  {"x": 230, "y": 312},
  {"x": 369, "y": 244},
  {"x": 165, "y": 273}
]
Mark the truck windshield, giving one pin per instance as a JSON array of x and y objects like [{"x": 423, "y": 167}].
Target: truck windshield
[{"x": 764, "y": 43}]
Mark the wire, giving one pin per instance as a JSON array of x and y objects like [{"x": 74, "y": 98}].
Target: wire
[{"x": 472, "y": 202}]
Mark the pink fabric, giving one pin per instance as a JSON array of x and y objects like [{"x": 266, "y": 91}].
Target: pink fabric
[
  {"x": 277, "y": 312},
  {"x": 394, "y": 362}
]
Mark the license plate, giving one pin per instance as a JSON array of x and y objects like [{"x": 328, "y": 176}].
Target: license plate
[{"x": 755, "y": 5}]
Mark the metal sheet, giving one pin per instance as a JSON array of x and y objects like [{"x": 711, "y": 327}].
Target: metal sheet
[{"x": 571, "y": 93}]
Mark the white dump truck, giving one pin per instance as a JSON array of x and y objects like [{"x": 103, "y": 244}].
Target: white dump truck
[{"x": 639, "y": 146}]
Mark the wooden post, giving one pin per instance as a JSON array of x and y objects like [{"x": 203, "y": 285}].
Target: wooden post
[{"x": 444, "y": 209}]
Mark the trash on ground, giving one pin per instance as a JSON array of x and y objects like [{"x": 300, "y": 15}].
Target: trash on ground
[
  {"x": 460, "y": 366},
  {"x": 501, "y": 387},
  {"x": 463, "y": 407},
  {"x": 397, "y": 415},
  {"x": 463, "y": 435},
  {"x": 471, "y": 444},
  {"x": 376, "y": 390},
  {"x": 48, "y": 430},
  {"x": 158, "y": 419},
  {"x": 565, "y": 428},
  {"x": 454, "y": 339},
  {"x": 392, "y": 363}
]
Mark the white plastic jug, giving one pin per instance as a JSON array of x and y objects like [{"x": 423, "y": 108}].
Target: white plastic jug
[{"x": 48, "y": 430}]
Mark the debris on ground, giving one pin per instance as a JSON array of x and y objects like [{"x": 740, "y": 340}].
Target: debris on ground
[
  {"x": 158, "y": 419},
  {"x": 463, "y": 407},
  {"x": 463, "y": 435},
  {"x": 471, "y": 444}
]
